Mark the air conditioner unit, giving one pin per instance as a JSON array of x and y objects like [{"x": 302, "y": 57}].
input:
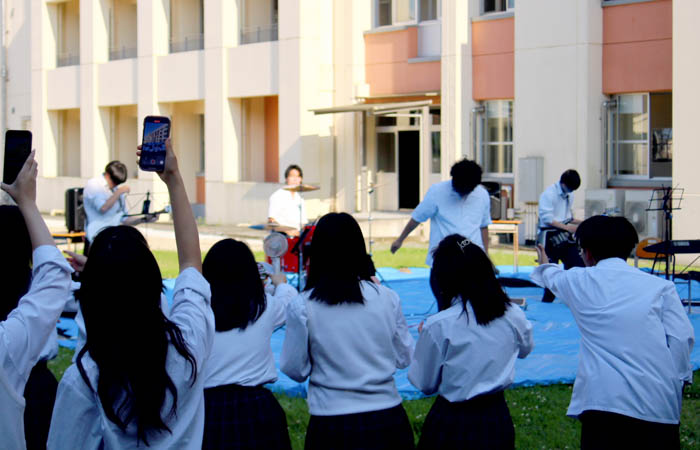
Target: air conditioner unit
[
  {"x": 604, "y": 201},
  {"x": 647, "y": 223}
]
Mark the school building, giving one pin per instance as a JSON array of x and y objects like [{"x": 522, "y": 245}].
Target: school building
[{"x": 387, "y": 93}]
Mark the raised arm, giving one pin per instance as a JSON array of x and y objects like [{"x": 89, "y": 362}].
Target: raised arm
[{"x": 410, "y": 226}]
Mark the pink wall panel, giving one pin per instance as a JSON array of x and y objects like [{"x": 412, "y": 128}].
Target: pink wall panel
[{"x": 493, "y": 59}]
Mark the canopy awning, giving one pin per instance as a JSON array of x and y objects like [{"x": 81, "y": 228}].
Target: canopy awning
[{"x": 373, "y": 108}]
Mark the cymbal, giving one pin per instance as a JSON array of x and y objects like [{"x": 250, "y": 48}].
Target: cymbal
[
  {"x": 273, "y": 227},
  {"x": 301, "y": 188}
]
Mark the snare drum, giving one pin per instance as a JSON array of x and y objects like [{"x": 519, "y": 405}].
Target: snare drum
[{"x": 290, "y": 261}]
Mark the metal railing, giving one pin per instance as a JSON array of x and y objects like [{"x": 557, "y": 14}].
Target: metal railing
[
  {"x": 67, "y": 59},
  {"x": 260, "y": 33},
  {"x": 122, "y": 52},
  {"x": 187, "y": 43}
]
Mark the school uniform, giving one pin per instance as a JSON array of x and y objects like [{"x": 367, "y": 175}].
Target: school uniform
[
  {"x": 287, "y": 208},
  {"x": 469, "y": 366},
  {"x": 24, "y": 334},
  {"x": 79, "y": 421},
  {"x": 635, "y": 346},
  {"x": 349, "y": 353},
  {"x": 95, "y": 194},
  {"x": 450, "y": 213},
  {"x": 239, "y": 411}
]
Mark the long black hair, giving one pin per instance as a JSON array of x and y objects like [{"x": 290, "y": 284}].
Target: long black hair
[
  {"x": 237, "y": 293},
  {"x": 462, "y": 270},
  {"x": 122, "y": 279},
  {"x": 338, "y": 261},
  {"x": 15, "y": 264}
]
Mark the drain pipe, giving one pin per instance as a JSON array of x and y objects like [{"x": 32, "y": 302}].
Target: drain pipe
[
  {"x": 605, "y": 130},
  {"x": 476, "y": 111}
]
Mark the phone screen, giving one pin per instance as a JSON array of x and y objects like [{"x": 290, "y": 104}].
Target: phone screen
[
  {"x": 155, "y": 131},
  {"x": 18, "y": 146}
]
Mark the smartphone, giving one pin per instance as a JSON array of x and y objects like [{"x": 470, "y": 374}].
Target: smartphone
[
  {"x": 18, "y": 146},
  {"x": 156, "y": 129}
]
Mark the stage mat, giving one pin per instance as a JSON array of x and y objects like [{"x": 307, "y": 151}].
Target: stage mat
[{"x": 553, "y": 360}]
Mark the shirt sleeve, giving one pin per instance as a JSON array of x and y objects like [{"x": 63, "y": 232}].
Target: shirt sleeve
[
  {"x": 295, "y": 361},
  {"x": 486, "y": 216},
  {"x": 401, "y": 340},
  {"x": 427, "y": 208},
  {"x": 27, "y": 328},
  {"x": 679, "y": 333},
  {"x": 426, "y": 369},
  {"x": 278, "y": 302},
  {"x": 554, "y": 278},
  {"x": 76, "y": 421},
  {"x": 191, "y": 311},
  {"x": 546, "y": 208},
  {"x": 95, "y": 196},
  {"x": 273, "y": 207},
  {"x": 522, "y": 329}
]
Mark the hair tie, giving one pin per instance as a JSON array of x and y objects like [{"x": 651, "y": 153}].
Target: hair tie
[{"x": 463, "y": 243}]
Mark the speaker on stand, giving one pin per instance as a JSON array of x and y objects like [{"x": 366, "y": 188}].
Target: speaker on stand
[{"x": 75, "y": 213}]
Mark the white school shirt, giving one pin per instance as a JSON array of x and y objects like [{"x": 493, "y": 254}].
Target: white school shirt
[
  {"x": 78, "y": 419},
  {"x": 95, "y": 195},
  {"x": 450, "y": 213},
  {"x": 284, "y": 208},
  {"x": 349, "y": 352},
  {"x": 460, "y": 359},
  {"x": 23, "y": 335},
  {"x": 244, "y": 357},
  {"x": 555, "y": 205},
  {"x": 635, "y": 339}
]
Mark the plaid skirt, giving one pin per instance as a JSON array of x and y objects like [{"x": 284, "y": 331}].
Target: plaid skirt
[
  {"x": 383, "y": 429},
  {"x": 243, "y": 417},
  {"x": 481, "y": 422}
]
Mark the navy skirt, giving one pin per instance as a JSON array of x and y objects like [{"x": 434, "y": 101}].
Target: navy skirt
[
  {"x": 481, "y": 422},
  {"x": 243, "y": 417},
  {"x": 383, "y": 429}
]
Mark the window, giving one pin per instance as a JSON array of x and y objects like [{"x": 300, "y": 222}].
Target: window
[
  {"x": 429, "y": 10},
  {"x": 497, "y": 137},
  {"x": 640, "y": 139},
  {"x": 492, "y": 6},
  {"x": 392, "y": 12}
]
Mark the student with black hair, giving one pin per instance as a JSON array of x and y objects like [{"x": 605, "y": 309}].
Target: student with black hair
[
  {"x": 348, "y": 335},
  {"x": 461, "y": 205},
  {"x": 635, "y": 341},
  {"x": 138, "y": 381},
  {"x": 105, "y": 204},
  {"x": 239, "y": 412},
  {"x": 35, "y": 285},
  {"x": 286, "y": 207},
  {"x": 467, "y": 351},
  {"x": 557, "y": 224}
]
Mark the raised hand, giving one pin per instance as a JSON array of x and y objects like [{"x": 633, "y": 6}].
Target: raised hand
[{"x": 23, "y": 190}]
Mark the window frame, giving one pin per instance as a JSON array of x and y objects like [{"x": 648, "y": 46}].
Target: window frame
[
  {"x": 507, "y": 7},
  {"x": 394, "y": 22}
]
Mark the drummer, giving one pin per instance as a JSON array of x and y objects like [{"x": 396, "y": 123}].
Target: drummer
[{"x": 286, "y": 206}]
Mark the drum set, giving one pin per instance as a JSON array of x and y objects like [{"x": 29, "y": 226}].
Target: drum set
[{"x": 286, "y": 251}]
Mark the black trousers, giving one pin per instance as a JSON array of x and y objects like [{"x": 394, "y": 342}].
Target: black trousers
[
  {"x": 606, "y": 430},
  {"x": 39, "y": 395},
  {"x": 568, "y": 254}
]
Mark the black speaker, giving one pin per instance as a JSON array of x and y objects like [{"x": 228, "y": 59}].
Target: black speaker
[
  {"x": 494, "y": 190},
  {"x": 75, "y": 213}
]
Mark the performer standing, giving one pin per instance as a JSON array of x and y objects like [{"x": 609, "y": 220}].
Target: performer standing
[
  {"x": 287, "y": 207},
  {"x": 557, "y": 223},
  {"x": 460, "y": 206}
]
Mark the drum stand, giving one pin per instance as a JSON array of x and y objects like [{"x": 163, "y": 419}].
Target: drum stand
[{"x": 300, "y": 271}]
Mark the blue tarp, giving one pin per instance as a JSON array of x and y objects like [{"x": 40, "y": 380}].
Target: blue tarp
[{"x": 554, "y": 359}]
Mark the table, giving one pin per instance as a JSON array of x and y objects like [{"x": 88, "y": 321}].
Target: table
[
  {"x": 69, "y": 237},
  {"x": 508, "y": 227}
]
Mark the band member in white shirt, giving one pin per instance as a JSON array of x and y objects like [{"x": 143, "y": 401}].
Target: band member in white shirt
[
  {"x": 457, "y": 206},
  {"x": 636, "y": 341},
  {"x": 239, "y": 412},
  {"x": 287, "y": 208},
  {"x": 557, "y": 223},
  {"x": 466, "y": 352},
  {"x": 35, "y": 285},
  {"x": 348, "y": 336}
]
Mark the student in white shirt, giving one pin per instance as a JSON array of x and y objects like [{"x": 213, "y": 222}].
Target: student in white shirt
[
  {"x": 30, "y": 303},
  {"x": 635, "y": 341},
  {"x": 287, "y": 208},
  {"x": 139, "y": 381},
  {"x": 466, "y": 352},
  {"x": 557, "y": 224},
  {"x": 239, "y": 412},
  {"x": 105, "y": 203},
  {"x": 348, "y": 335},
  {"x": 457, "y": 206}
]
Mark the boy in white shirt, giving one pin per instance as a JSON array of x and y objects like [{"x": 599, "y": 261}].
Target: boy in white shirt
[{"x": 635, "y": 341}]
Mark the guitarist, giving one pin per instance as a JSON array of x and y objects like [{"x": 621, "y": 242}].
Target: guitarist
[{"x": 557, "y": 224}]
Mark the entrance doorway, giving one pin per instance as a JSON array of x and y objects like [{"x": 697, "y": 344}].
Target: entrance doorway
[{"x": 409, "y": 169}]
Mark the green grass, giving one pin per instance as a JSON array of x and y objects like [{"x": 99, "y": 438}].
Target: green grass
[{"x": 539, "y": 413}]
